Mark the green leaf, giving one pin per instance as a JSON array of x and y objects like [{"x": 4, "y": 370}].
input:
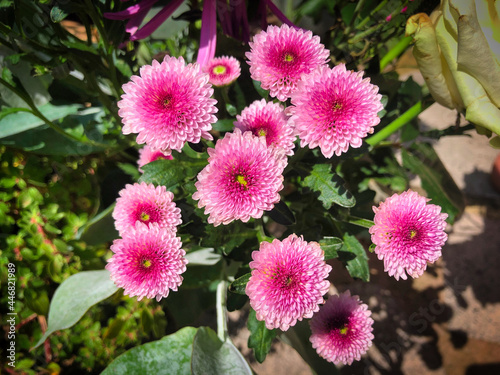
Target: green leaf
[
  {"x": 330, "y": 186},
  {"x": 57, "y": 14},
  {"x": 203, "y": 257},
  {"x": 495, "y": 142},
  {"x": 224, "y": 125},
  {"x": 422, "y": 160},
  {"x": 330, "y": 245},
  {"x": 171, "y": 354},
  {"x": 357, "y": 266},
  {"x": 238, "y": 286},
  {"x": 261, "y": 338},
  {"x": 74, "y": 297},
  {"x": 18, "y": 122},
  {"x": 100, "y": 229},
  {"x": 171, "y": 173},
  {"x": 212, "y": 356},
  {"x": 282, "y": 214},
  {"x": 263, "y": 93}
]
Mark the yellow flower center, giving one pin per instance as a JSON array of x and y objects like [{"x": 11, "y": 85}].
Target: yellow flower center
[
  {"x": 343, "y": 330},
  {"x": 219, "y": 69},
  {"x": 146, "y": 263},
  {"x": 241, "y": 179},
  {"x": 413, "y": 233},
  {"x": 288, "y": 57},
  {"x": 262, "y": 132},
  {"x": 144, "y": 216}
]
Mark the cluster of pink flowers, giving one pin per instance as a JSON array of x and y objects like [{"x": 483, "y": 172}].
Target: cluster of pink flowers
[
  {"x": 288, "y": 283},
  {"x": 148, "y": 260},
  {"x": 171, "y": 103}
]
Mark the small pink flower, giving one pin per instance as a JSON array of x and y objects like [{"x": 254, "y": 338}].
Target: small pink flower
[
  {"x": 408, "y": 233},
  {"x": 222, "y": 70},
  {"x": 242, "y": 179},
  {"x": 147, "y": 262},
  {"x": 342, "y": 329},
  {"x": 404, "y": 9},
  {"x": 288, "y": 281},
  {"x": 148, "y": 155},
  {"x": 168, "y": 104},
  {"x": 268, "y": 120},
  {"x": 388, "y": 18},
  {"x": 334, "y": 109},
  {"x": 146, "y": 204},
  {"x": 281, "y": 56}
]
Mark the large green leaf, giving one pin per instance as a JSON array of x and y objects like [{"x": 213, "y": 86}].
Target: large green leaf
[
  {"x": 331, "y": 245},
  {"x": 358, "y": 265},
  {"x": 330, "y": 186},
  {"x": 261, "y": 338},
  {"x": 171, "y": 173},
  {"x": 422, "y": 160},
  {"x": 17, "y": 122},
  {"x": 74, "y": 297},
  {"x": 212, "y": 356},
  {"x": 170, "y": 355}
]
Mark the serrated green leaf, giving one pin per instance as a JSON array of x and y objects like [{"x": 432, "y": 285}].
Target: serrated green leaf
[
  {"x": 330, "y": 245},
  {"x": 330, "y": 186},
  {"x": 422, "y": 160},
  {"x": 238, "y": 286},
  {"x": 74, "y": 297},
  {"x": 261, "y": 338},
  {"x": 171, "y": 173},
  {"x": 171, "y": 354},
  {"x": 212, "y": 356},
  {"x": 358, "y": 266}
]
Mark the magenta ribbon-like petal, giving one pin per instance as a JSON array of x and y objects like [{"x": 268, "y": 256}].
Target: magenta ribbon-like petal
[
  {"x": 208, "y": 37},
  {"x": 279, "y": 14},
  {"x": 131, "y": 11},
  {"x": 157, "y": 20}
]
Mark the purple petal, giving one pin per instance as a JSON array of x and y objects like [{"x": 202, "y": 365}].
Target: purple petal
[
  {"x": 157, "y": 20},
  {"x": 241, "y": 19},
  {"x": 130, "y": 11},
  {"x": 208, "y": 37}
]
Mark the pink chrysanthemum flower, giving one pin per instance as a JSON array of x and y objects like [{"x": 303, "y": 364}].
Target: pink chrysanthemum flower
[
  {"x": 147, "y": 204},
  {"x": 148, "y": 155},
  {"x": 242, "y": 180},
  {"x": 334, "y": 109},
  {"x": 281, "y": 56},
  {"x": 222, "y": 70},
  {"x": 168, "y": 104},
  {"x": 408, "y": 233},
  {"x": 342, "y": 329},
  {"x": 147, "y": 262},
  {"x": 269, "y": 120},
  {"x": 288, "y": 281}
]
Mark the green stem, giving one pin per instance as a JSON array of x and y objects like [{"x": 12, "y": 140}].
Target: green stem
[
  {"x": 368, "y": 18},
  {"x": 108, "y": 51},
  {"x": 395, "y": 51},
  {"x": 221, "y": 297},
  {"x": 365, "y": 33},
  {"x": 398, "y": 123},
  {"x": 365, "y": 223}
]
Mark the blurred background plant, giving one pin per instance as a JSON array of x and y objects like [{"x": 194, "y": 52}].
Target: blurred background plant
[{"x": 64, "y": 159}]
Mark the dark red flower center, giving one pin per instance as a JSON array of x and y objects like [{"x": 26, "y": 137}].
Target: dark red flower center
[{"x": 147, "y": 214}]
